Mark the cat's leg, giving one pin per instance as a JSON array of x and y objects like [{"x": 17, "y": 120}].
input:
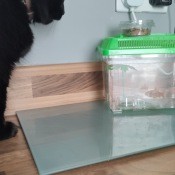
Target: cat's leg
[{"x": 7, "y": 129}]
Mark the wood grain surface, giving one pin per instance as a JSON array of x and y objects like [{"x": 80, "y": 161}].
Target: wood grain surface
[
  {"x": 50, "y": 85},
  {"x": 54, "y": 85}
]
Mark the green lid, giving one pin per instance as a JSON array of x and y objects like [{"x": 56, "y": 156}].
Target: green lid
[{"x": 150, "y": 44}]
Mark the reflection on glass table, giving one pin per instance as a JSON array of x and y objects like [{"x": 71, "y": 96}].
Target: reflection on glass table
[
  {"x": 142, "y": 131},
  {"x": 66, "y": 137}
]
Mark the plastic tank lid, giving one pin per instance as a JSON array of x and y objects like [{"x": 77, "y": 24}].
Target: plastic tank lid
[{"x": 151, "y": 44}]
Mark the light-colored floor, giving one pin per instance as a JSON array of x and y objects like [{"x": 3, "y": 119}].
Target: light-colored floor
[{"x": 15, "y": 159}]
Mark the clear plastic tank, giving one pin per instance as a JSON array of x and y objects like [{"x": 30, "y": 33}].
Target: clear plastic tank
[
  {"x": 139, "y": 81},
  {"x": 139, "y": 72}
]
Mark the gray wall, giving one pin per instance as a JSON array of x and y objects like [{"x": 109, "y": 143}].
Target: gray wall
[{"x": 85, "y": 23}]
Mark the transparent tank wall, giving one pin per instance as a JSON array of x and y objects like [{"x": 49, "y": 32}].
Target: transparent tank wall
[{"x": 139, "y": 81}]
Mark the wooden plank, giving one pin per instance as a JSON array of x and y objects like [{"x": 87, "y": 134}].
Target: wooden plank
[
  {"x": 53, "y": 85},
  {"x": 29, "y": 71},
  {"x": 66, "y": 83},
  {"x": 49, "y": 101},
  {"x": 15, "y": 157}
]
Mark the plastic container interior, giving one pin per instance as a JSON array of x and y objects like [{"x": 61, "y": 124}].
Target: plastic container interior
[{"x": 139, "y": 81}]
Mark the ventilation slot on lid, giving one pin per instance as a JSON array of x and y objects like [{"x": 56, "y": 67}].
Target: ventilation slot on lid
[{"x": 155, "y": 43}]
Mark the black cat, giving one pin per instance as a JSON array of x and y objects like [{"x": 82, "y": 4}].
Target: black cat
[{"x": 16, "y": 39}]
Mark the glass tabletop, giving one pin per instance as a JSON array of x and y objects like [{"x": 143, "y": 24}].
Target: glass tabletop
[{"x": 71, "y": 136}]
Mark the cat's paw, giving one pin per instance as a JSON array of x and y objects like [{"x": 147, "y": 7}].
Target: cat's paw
[{"x": 9, "y": 130}]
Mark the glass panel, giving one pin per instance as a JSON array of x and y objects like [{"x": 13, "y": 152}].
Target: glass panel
[
  {"x": 67, "y": 137},
  {"x": 70, "y": 136},
  {"x": 138, "y": 131}
]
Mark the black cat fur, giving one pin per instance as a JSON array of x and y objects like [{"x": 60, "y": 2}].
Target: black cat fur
[{"x": 16, "y": 39}]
